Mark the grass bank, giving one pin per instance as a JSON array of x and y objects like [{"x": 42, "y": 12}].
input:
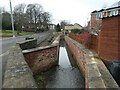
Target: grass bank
[{"x": 9, "y": 33}]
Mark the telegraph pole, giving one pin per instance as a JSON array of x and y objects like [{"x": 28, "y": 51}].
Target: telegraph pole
[{"x": 12, "y": 19}]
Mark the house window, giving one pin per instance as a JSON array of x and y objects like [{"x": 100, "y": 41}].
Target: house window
[
  {"x": 101, "y": 15},
  {"x": 97, "y": 16},
  {"x": 104, "y": 14},
  {"x": 114, "y": 12},
  {"x": 119, "y": 11},
  {"x": 110, "y": 13}
]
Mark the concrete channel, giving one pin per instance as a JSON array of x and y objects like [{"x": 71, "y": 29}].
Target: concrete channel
[
  {"x": 65, "y": 75},
  {"x": 53, "y": 66}
]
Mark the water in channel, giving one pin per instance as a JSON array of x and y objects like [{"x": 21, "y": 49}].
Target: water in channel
[{"x": 65, "y": 75}]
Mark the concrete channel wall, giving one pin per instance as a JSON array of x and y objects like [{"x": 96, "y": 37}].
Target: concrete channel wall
[
  {"x": 28, "y": 44},
  {"x": 42, "y": 58},
  {"x": 18, "y": 73},
  {"x": 95, "y": 72},
  {"x": 40, "y": 39},
  {"x": 32, "y": 43}
]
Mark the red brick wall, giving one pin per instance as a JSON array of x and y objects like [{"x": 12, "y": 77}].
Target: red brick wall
[
  {"x": 93, "y": 20},
  {"x": 108, "y": 40},
  {"x": 90, "y": 41},
  {"x": 78, "y": 55},
  {"x": 94, "y": 24},
  {"x": 41, "y": 60},
  {"x": 119, "y": 38},
  {"x": 94, "y": 43},
  {"x": 84, "y": 38}
]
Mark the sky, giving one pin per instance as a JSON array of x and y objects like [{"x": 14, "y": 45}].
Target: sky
[{"x": 75, "y": 11}]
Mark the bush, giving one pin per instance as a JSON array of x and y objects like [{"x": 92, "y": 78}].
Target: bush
[
  {"x": 58, "y": 29},
  {"x": 77, "y": 31}
]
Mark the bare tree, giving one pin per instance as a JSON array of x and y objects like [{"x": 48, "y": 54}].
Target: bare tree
[
  {"x": 33, "y": 18},
  {"x": 46, "y": 19},
  {"x": 34, "y": 12},
  {"x": 19, "y": 14}
]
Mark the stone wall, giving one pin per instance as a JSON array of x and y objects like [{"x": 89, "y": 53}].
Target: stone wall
[
  {"x": 95, "y": 73},
  {"x": 17, "y": 73},
  {"x": 42, "y": 58}
]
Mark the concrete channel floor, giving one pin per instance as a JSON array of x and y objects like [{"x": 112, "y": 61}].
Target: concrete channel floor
[{"x": 65, "y": 75}]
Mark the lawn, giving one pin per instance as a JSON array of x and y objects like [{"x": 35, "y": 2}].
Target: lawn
[{"x": 8, "y": 33}]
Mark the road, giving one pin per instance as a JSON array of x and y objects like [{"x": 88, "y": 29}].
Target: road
[{"x": 6, "y": 43}]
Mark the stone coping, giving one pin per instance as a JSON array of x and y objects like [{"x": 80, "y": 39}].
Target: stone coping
[
  {"x": 96, "y": 74},
  {"x": 28, "y": 44},
  {"x": 56, "y": 41},
  {"x": 54, "y": 44},
  {"x": 25, "y": 41},
  {"x": 38, "y": 49}
]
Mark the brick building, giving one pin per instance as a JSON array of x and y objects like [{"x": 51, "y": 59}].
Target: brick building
[
  {"x": 109, "y": 36},
  {"x": 31, "y": 27},
  {"x": 94, "y": 26}
]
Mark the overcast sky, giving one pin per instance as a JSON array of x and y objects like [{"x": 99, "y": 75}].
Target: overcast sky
[{"x": 76, "y": 11}]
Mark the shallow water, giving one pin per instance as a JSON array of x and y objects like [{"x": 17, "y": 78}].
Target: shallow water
[{"x": 66, "y": 74}]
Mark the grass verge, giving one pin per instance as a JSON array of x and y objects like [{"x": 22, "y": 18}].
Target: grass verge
[{"x": 9, "y": 33}]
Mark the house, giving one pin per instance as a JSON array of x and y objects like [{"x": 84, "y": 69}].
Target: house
[
  {"x": 70, "y": 27},
  {"x": 109, "y": 36},
  {"x": 94, "y": 25},
  {"x": 111, "y": 11},
  {"x": 31, "y": 27},
  {"x": 51, "y": 26}
]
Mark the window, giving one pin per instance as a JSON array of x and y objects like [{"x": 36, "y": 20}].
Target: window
[
  {"x": 108, "y": 13},
  {"x": 105, "y": 14},
  {"x": 97, "y": 16},
  {"x": 101, "y": 14},
  {"x": 114, "y": 12},
  {"x": 119, "y": 11},
  {"x": 111, "y": 13}
]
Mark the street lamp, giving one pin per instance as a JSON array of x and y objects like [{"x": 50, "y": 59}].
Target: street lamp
[{"x": 12, "y": 19}]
